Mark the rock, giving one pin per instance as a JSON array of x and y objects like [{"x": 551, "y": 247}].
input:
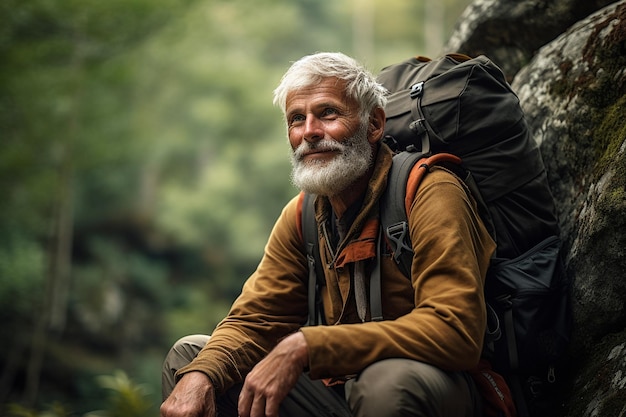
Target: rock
[{"x": 511, "y": 31}]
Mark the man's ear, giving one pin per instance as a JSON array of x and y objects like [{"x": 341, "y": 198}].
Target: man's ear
[{"x": 376, "y": 127}]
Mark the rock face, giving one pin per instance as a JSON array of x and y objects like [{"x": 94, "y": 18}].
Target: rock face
[
  {"x": 510, "y": 31},
  {"x": 567, "y": 61}
]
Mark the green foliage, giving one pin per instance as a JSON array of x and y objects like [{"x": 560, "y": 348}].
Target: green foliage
[
  {"x": 22, "y": 265},
  {"x": 126, "y": 398},
  {"x": 54, "y": 410},
  {"x": 116, "y": 293},
  {"x": 142, "y": 166}
]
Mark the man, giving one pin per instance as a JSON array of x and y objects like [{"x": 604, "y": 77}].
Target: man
[{"x": 261, "y": 361}]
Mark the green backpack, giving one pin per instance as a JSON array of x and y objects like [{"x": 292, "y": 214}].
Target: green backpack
[{"x": 461, "y": 113}]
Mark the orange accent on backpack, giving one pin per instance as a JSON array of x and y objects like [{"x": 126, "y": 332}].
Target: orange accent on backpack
[{"x": 496, "y": 395}]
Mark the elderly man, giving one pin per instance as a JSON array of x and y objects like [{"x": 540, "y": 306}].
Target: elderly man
[{"x": 262, "y": 361}]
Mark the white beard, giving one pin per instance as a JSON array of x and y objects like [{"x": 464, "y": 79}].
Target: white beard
[{"x": 329, "y": 178}]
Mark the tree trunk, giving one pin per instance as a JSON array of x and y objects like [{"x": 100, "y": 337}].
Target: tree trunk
[{"x": 51, "y": 322}]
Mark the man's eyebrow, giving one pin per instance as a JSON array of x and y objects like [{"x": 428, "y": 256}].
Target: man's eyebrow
[
  {"x": 292, "y": 111},
  {"x": 315, "y": 105},
  {"x": 325, "y": 104}
]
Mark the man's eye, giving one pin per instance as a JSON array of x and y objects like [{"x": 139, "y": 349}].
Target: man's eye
[
  {"x": 296, "y": 119},
  {"x": 330, "y": 112}
]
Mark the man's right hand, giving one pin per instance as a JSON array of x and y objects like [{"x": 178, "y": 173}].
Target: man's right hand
[{"x": 193, "y": 396}]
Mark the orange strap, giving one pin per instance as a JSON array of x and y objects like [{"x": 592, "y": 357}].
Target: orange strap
[{"x": 418, "y": 172}]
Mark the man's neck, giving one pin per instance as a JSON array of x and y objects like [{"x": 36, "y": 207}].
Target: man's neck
[{"x": 341, "y": 202}]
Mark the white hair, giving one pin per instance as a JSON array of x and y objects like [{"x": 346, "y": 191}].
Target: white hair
[{"x": 361, "y": 85}]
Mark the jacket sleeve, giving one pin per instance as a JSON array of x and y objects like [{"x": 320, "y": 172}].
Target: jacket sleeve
[
  {"x": 272, "y": 304},
  {"x": 446, "y": 325}
]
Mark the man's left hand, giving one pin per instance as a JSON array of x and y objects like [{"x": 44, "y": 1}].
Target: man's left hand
[{"x": 270, "y": 380}]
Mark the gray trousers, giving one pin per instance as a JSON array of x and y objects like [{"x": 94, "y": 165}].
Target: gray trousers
[{"x": 391, "y": 387}]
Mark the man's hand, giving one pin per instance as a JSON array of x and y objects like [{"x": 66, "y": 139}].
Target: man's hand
[
  {"x": 271, "y": 379},
  {"x": 193, "y": 396}
]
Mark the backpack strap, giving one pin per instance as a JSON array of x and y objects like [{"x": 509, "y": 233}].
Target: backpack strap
[
  {"x": 393, "y": 215},
  {"x": 376, "y": 305},
  {"x": 311, "y": 244},
  {"x": 406, "y": 174}
]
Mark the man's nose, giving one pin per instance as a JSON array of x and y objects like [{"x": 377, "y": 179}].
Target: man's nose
[{"x": 313, "y": 129}]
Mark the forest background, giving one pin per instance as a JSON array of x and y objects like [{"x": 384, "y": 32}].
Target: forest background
[{"x": 142, "y": 166}]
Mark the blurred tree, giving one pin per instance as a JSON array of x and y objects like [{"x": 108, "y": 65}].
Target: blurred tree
[
  {"x": 143, "y": 166},
  {"x": 52, "y": 57}
]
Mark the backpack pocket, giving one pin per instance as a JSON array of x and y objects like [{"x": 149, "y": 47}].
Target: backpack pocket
[{"x": 530, "y": 295}]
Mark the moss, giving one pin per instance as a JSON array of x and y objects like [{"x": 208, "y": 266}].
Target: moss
[
  {"x": 609, "y": 136},
  {"x": 561, "y": 86},
  {"x": 614, "y": 203},
  {"x": 603, "y": 89},
  {"x": 605, "y": 58},
  {"x": 615, "y": 37}
]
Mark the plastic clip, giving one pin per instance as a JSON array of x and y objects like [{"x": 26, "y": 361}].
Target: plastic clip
[
  {"x": 397, "y": 235},
  {"x": 417, "y": 89}
]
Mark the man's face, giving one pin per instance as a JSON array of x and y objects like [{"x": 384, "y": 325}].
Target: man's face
[{"x": 330, "y": 142}]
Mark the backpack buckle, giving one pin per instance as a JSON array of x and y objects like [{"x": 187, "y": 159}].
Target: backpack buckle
[
  {"x": 418, "y": 127},
  {"x": 417, "y": 89},
  {"x": 397, "y": 235}
]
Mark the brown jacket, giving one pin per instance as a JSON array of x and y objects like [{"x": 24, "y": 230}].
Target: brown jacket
[{"x": 437, "y": 317}]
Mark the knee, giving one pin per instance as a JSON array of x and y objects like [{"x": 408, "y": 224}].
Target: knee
[
  {"x": 194, "y": 342},
  {"x": 181, "y": 354},
  {"x": 185, "y": 349},
  {"x": 402, "y": 387},
  {"x": 381, "y": 382}
]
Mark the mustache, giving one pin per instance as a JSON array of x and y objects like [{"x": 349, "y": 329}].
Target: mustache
[{"x": 325, "y": 145}]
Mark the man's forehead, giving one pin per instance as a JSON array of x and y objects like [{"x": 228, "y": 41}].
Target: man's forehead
[{"x": 328, "y": 89}]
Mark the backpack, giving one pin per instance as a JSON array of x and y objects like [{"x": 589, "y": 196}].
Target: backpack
[{"x": 461, "y": 112}]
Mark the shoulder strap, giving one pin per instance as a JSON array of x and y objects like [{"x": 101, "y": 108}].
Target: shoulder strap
[
  {"x": 393, "y": 215},
  {"x": 406, "y": 174},
  {"x": 311, "y": 244}
]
